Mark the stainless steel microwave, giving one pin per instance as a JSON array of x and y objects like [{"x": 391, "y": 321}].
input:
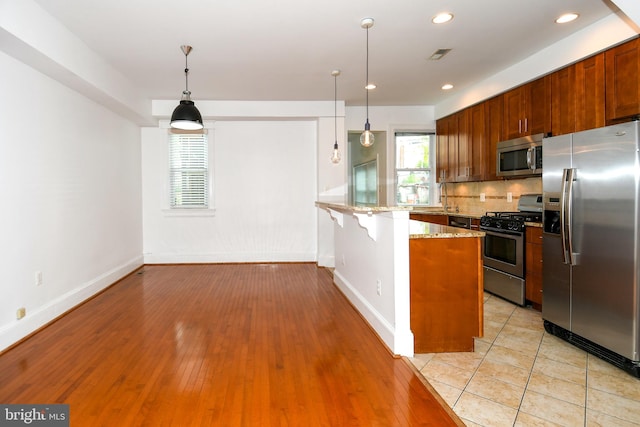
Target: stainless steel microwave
[{"x": 520, "y": 157}]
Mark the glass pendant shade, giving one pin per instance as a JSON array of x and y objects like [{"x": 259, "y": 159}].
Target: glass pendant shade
[
  {"x": 335, "y": 156},
  {"x": 367, "y": 138}
]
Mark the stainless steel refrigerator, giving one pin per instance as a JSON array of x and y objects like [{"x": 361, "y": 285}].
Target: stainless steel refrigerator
[{"x": 591, "y": 296}]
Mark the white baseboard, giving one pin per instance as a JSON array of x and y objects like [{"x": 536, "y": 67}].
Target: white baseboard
[
  {"x": 39, "y": 316},
  {"x": 328, "y": 261},
  {"x": 399, "y": 342},
  {"x": 171, "y": 258}
]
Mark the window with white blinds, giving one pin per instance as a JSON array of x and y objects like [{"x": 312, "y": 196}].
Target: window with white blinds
[{"x": 188, "y": 171}]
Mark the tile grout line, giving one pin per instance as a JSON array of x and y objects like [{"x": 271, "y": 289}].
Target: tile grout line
[
  {"x": 491, "y": 344},
  {"x": 586, "y": 389},
  {"x": 526, "y": 386}
]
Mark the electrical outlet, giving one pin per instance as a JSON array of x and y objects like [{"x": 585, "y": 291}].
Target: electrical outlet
[
  {"x": 509, "y": 197},
  {"x": 483, "y": 197},
  {"x": 38, "y": 277},
  {"x": 21, "y": 312},
  {"x": 379, "y": 286}
]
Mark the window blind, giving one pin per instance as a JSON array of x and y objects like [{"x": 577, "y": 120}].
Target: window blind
[{"x": 188, "y": 171}]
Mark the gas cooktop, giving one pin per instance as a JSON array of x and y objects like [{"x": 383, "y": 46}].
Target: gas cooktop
[
  {"x": 510, "y": 221},
  {"x": 529, "y": 210},
  {"x": 517, "y": 216}
]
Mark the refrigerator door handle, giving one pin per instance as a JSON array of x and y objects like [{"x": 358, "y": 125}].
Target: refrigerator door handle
[{"x": 566, "y": 215}]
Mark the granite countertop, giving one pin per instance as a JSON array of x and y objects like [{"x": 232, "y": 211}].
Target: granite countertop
[
  {"x": 417, "y": 229},
  {"x": 342, "y": 207},
  {"x": 427, "y": 230},
  {"x": 439, "y": 211}
]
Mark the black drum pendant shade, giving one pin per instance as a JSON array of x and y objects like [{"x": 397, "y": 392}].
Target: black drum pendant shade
[{"x": 186, "y": 116}]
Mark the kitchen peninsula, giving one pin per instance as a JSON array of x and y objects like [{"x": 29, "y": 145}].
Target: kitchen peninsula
[{"x": 419, "y": 285}]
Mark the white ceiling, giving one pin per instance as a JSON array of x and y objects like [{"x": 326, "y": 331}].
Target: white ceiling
[{"x": 286, "y": 49}]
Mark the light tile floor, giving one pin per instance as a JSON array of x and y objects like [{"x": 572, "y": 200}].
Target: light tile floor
[{"x": 519, "y": 375}]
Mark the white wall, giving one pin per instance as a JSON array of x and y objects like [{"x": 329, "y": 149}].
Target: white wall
[
  {"x": 70, "y": 186},
  {"x": 372, "y": 248},
  {"x": 264, "y": 193},
  {"x": 390, "y": 120},
  {"x": 332, "y": 181},
  {"x": 599, "y": 36}
]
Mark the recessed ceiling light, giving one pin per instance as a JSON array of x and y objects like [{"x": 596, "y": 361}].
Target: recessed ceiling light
[
  {"x": 567, "y": 17},
  {"x": 441, "y": 18},
  {"x": 370, "y": 86},
  {"x": 447, "y": 86}
]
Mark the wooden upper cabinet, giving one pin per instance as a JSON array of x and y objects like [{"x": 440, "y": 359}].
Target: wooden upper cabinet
[
  {"x": 442, "y": 149},
  {"x": 563, "y": 101},
  {"x": 539, "y": 104},
  {"x": 527, "y": 109},
  {"x": 462, "y": 153},
  {"x": 513, "y": 120},
  {"x": 622, "y": 67},
  {"x": 599, "y": 90},
  {"x": 493, "y": 115},
  {"x": 476, "y": 157},
  {"x": 590, "y": 84},
  {"x": 460, "y": 145}
]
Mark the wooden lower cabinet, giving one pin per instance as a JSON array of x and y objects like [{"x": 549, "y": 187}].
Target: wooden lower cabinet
[
  {"x": 446, "y": 280},
  {"x": 432, "y": 218},
  {"x": 533, "y": 278}
]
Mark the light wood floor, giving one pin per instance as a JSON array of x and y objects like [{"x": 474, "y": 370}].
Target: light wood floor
[{"x": 219, "y": 345}]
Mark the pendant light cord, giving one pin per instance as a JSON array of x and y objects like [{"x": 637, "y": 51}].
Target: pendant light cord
[
  {"x": 367, "y": 75},
  {"x": 186, "y": 74},
  {"x": 335, "y": 107}
]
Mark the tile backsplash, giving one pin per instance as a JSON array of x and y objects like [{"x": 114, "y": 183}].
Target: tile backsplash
[{"x": 467, "y": 196}]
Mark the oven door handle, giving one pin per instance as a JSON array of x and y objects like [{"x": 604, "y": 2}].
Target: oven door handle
[
  {"x": 566, "y": 215},
  {"x": 500, "y": 232}
]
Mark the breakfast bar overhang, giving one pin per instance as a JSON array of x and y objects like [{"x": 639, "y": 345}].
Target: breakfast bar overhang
[{"x": 373, "y": 263}]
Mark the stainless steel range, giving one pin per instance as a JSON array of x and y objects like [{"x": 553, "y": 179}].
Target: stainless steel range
[{"x": 504, "y": 246}]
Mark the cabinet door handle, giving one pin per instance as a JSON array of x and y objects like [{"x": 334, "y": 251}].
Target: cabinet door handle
[
  {"x": 526, "y": 124},
  {"x": 520, "y": 126}
]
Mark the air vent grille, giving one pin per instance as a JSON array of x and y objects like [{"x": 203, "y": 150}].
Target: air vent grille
[{"x": 438, "y": 54}]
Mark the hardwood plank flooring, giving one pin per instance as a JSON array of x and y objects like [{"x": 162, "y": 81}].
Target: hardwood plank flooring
[{"x": 219, "y": 345}]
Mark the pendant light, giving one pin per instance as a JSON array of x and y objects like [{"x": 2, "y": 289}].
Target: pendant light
[
  {"x": 335, "y": 156},
  {"x": 186, "y": 116},
  {"x": 367, "y": 138}
]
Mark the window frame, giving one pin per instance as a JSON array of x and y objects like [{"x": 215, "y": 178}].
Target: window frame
[
  {"x": 433, "y": 195},
  {"x": 185, "y": 210}
]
